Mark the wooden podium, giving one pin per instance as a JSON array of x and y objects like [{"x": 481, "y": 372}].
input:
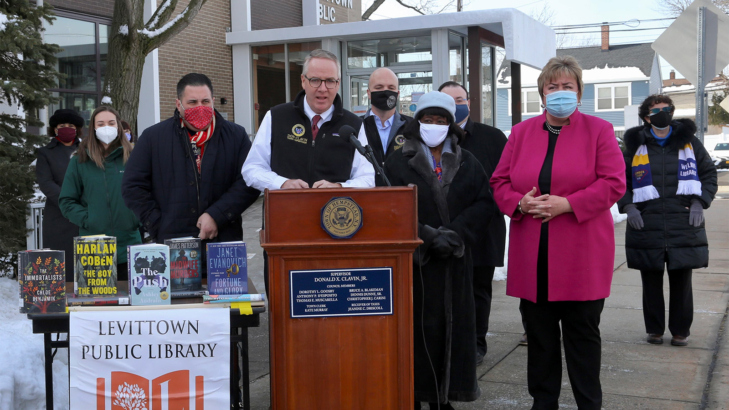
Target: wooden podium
[{"x": 321, "y": 357}]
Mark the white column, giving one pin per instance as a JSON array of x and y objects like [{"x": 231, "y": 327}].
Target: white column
[
  {"x": 149, "y": 110},
  {"x": 240, "y": 15},
  {"x": 441, "y": 63},
  {"x": 242, "y": 85},
  {"x": 310, "y": 12}
]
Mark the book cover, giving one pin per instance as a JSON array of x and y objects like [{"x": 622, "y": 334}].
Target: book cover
[
  {"x": 149, "y": 274},
  {"x": 185, "y": 272},
  {"x": 227, "y": 268},
  {"x": 42, "y": 281},
  {"x": 121, "y": 299},
  {"x": 94, "y": 265}
]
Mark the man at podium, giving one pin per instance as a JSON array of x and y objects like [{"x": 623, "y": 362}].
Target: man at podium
[{"x": 298, "y": 144}]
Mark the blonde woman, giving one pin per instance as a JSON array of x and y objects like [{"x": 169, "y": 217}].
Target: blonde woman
[
  {"x": 558, "y": 177},
  {"x": 91, "y": 193}
]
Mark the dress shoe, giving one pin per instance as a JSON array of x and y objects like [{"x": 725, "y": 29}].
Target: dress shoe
[
  {"x": 479, "y": 359},
  {"x": 679, "y": 341},
  {"x": 655, "y": 339},
  {"x": 523, "y": 341}
]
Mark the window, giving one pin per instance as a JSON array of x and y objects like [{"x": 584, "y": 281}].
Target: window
[
  {"x": 531, "y": 103},
  {"x": 84, "y": 43},
  {"x": 612, "y": 97}
]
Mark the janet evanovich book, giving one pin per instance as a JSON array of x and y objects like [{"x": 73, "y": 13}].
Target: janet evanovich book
[
  {"x": 149, "y": 274},
  {"x": 42, "y": 281},
  {"x": 227, "y": 268},
  {"x": 94, "y": 266}
]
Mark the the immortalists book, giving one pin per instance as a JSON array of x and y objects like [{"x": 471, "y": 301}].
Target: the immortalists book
[
  {"x": 95, "y": 265},
  {"x": 149, "y": 274},
  {"x": 42, "y": 281},
  {"x": 185, "y": 266},
  {"x": 227, "y": 268}
]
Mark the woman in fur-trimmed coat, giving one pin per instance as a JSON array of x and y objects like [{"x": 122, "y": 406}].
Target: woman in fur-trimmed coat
[
  {"x": 665, "y": 220},
  {"x": 454, "y": 208}
]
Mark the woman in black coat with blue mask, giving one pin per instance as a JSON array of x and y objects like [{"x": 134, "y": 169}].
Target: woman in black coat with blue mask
[
  {"x": 670, "y": 180},
  {"x": 453, "y": 197}
]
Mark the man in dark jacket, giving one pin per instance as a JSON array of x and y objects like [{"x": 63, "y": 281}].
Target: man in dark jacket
[
  {"x": 183, "y": 177},
  {"x": 486, "y": 144},
  {"x": 383, "y": 124}
]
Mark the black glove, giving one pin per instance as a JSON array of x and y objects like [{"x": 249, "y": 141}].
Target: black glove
[
  {"x": 441, "y": 247},
  {"x": 456, "y": 242},
  {"x": 634, "y": 218},
  {"x": 696, "y": 213}
]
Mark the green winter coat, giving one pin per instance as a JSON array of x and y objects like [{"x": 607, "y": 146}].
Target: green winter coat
[{"x": 91, "y": 198}]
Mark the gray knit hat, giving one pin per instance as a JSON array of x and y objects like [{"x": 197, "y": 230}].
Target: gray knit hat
[{"x": 439, "y": 100}]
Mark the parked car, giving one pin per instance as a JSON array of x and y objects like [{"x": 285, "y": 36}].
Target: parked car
[{"x": 720, "y": 155}]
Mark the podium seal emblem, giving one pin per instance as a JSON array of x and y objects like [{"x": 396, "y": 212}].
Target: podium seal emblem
[{"x": 341, "y": 218}]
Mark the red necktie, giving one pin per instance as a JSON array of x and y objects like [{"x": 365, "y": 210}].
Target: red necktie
[{"x": 315, "y": 125}]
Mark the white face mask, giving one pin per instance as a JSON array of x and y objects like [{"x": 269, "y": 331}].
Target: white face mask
[
  {"x": 433, "y": 134},
  {"x": 107, "y": 134}
]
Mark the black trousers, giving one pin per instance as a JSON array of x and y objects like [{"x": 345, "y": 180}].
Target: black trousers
[
  {"x": 483, "y": 277},
  {"x": 582, "y": 345},
  {"x": 680, "y": 305}
]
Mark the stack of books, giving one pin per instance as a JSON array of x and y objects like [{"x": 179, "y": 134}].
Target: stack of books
[{"x": 95, "y": 273}]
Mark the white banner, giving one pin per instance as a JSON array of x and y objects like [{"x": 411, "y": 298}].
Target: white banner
[{"x": 176, "y": 359}]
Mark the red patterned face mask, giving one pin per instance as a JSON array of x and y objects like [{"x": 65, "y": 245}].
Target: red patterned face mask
[{"x": 199, "y": 117}]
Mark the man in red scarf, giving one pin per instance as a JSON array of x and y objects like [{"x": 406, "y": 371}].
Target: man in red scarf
[{"x": 183, "y": 178}]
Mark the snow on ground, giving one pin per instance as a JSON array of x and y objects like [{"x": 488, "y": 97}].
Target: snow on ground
[
  {"x": 22, "y": 380},
  {"x": 500, "y": 273}
]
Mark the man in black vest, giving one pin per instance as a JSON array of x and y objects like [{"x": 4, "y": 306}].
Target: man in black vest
[
  {"x": 297, "y": 145},
  {"x": 383, "y": 124},
  {"x": 486, "y": 144}
]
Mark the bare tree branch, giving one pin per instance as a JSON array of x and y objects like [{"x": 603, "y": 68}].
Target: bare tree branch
[
  {"x": 161, "y": 15},
  {"x": 370, "y": 10},
  {"x": 449, "y": 4},
  {"x": 675, "y": 7},
  {"x": 402, "y": 3},
  {"x": 163, "y": 34}
]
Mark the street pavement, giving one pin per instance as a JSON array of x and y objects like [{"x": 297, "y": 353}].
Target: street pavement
[{"x": 635, "y": 374}]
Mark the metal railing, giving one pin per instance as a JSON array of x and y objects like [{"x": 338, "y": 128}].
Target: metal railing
[{"x": 35, "y": 226}]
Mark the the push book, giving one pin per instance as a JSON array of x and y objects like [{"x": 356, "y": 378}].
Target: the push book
[
  {"x": 42, "y": 281},
  {"x": 149, "y": 274},
  {"x": 185, "y": 269},
  {"x": 94, "y": 266},
  {"x": 227, "y": 268}
]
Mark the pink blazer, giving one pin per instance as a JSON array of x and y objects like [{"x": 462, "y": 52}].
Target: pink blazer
[{"x": 588, "y": 170}]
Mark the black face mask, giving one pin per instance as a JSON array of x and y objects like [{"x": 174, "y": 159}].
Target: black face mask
[
  {"x": 661, "y": 120},
  {"x": 384, "y": 100}
]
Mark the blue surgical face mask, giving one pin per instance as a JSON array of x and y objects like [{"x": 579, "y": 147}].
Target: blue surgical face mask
[
  {"x": 461, "y": 112},
  {"x": 561, "y": 104}
]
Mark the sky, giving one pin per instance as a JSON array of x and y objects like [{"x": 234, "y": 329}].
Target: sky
[{"x": 571, "y": 12}]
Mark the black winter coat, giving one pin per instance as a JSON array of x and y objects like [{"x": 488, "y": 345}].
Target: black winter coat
[
  {"x": 486, "y": 144},
  {"x": 163, "y": 188},
  {"x": 444, "y": 286},
  {"x": 667, "y": 237},
  {"x": 50, "y": 169}
]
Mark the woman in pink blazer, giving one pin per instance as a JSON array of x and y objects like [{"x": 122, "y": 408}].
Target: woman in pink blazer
[{"x": 558, "y": 177}]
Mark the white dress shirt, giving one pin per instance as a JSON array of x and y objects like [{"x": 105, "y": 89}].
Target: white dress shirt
[{"x": 257, "y": 169}]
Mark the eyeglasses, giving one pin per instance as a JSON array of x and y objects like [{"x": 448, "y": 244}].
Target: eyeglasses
[
  {"x": 655, "y": 111},
  {"x": 330, "y": 83}
]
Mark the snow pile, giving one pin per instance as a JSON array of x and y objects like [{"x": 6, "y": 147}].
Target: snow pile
[
  {"x": 500, "y": 273},
  {"x": 160, "y": 10},
  {"x": 155, "y": 33},
  {"x": 124, "y": 29},
  {"x": 22, "y": 384},
  {"x": 4, "y": 20},
  {"x": 106, "y": 100},
  {"x": 608, "y": 74}
]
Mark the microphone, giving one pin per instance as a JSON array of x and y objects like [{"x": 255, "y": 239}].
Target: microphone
[{"x": 347, "y": 131}]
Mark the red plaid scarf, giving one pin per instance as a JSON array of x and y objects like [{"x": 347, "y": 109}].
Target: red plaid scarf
[{"x": 199, "y": 139}]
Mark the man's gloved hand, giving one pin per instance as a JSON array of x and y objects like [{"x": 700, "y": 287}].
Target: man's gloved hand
[
  {"x": 634, "y": 218},
  {"x": 696, "y": 213},
  {"x": 441, "y": 247}
]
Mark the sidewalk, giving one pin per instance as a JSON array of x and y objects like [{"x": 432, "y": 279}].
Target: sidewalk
[{"x": 635, "y": 375}]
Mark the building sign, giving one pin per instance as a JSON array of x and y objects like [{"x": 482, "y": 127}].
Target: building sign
[
  {"x": 150, "y": 359},
  {"x": 342, "y": 292},
  {"x": 339, "y": 11}
]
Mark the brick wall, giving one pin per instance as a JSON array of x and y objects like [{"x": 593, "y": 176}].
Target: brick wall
[
  {"x": 199, "y": 48},
  {"x": 103, "y": 8},
  {"x": 266, "y": 14}
]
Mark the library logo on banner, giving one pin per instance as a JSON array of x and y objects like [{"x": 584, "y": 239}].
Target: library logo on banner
[{"x": 150, "y": 359}]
